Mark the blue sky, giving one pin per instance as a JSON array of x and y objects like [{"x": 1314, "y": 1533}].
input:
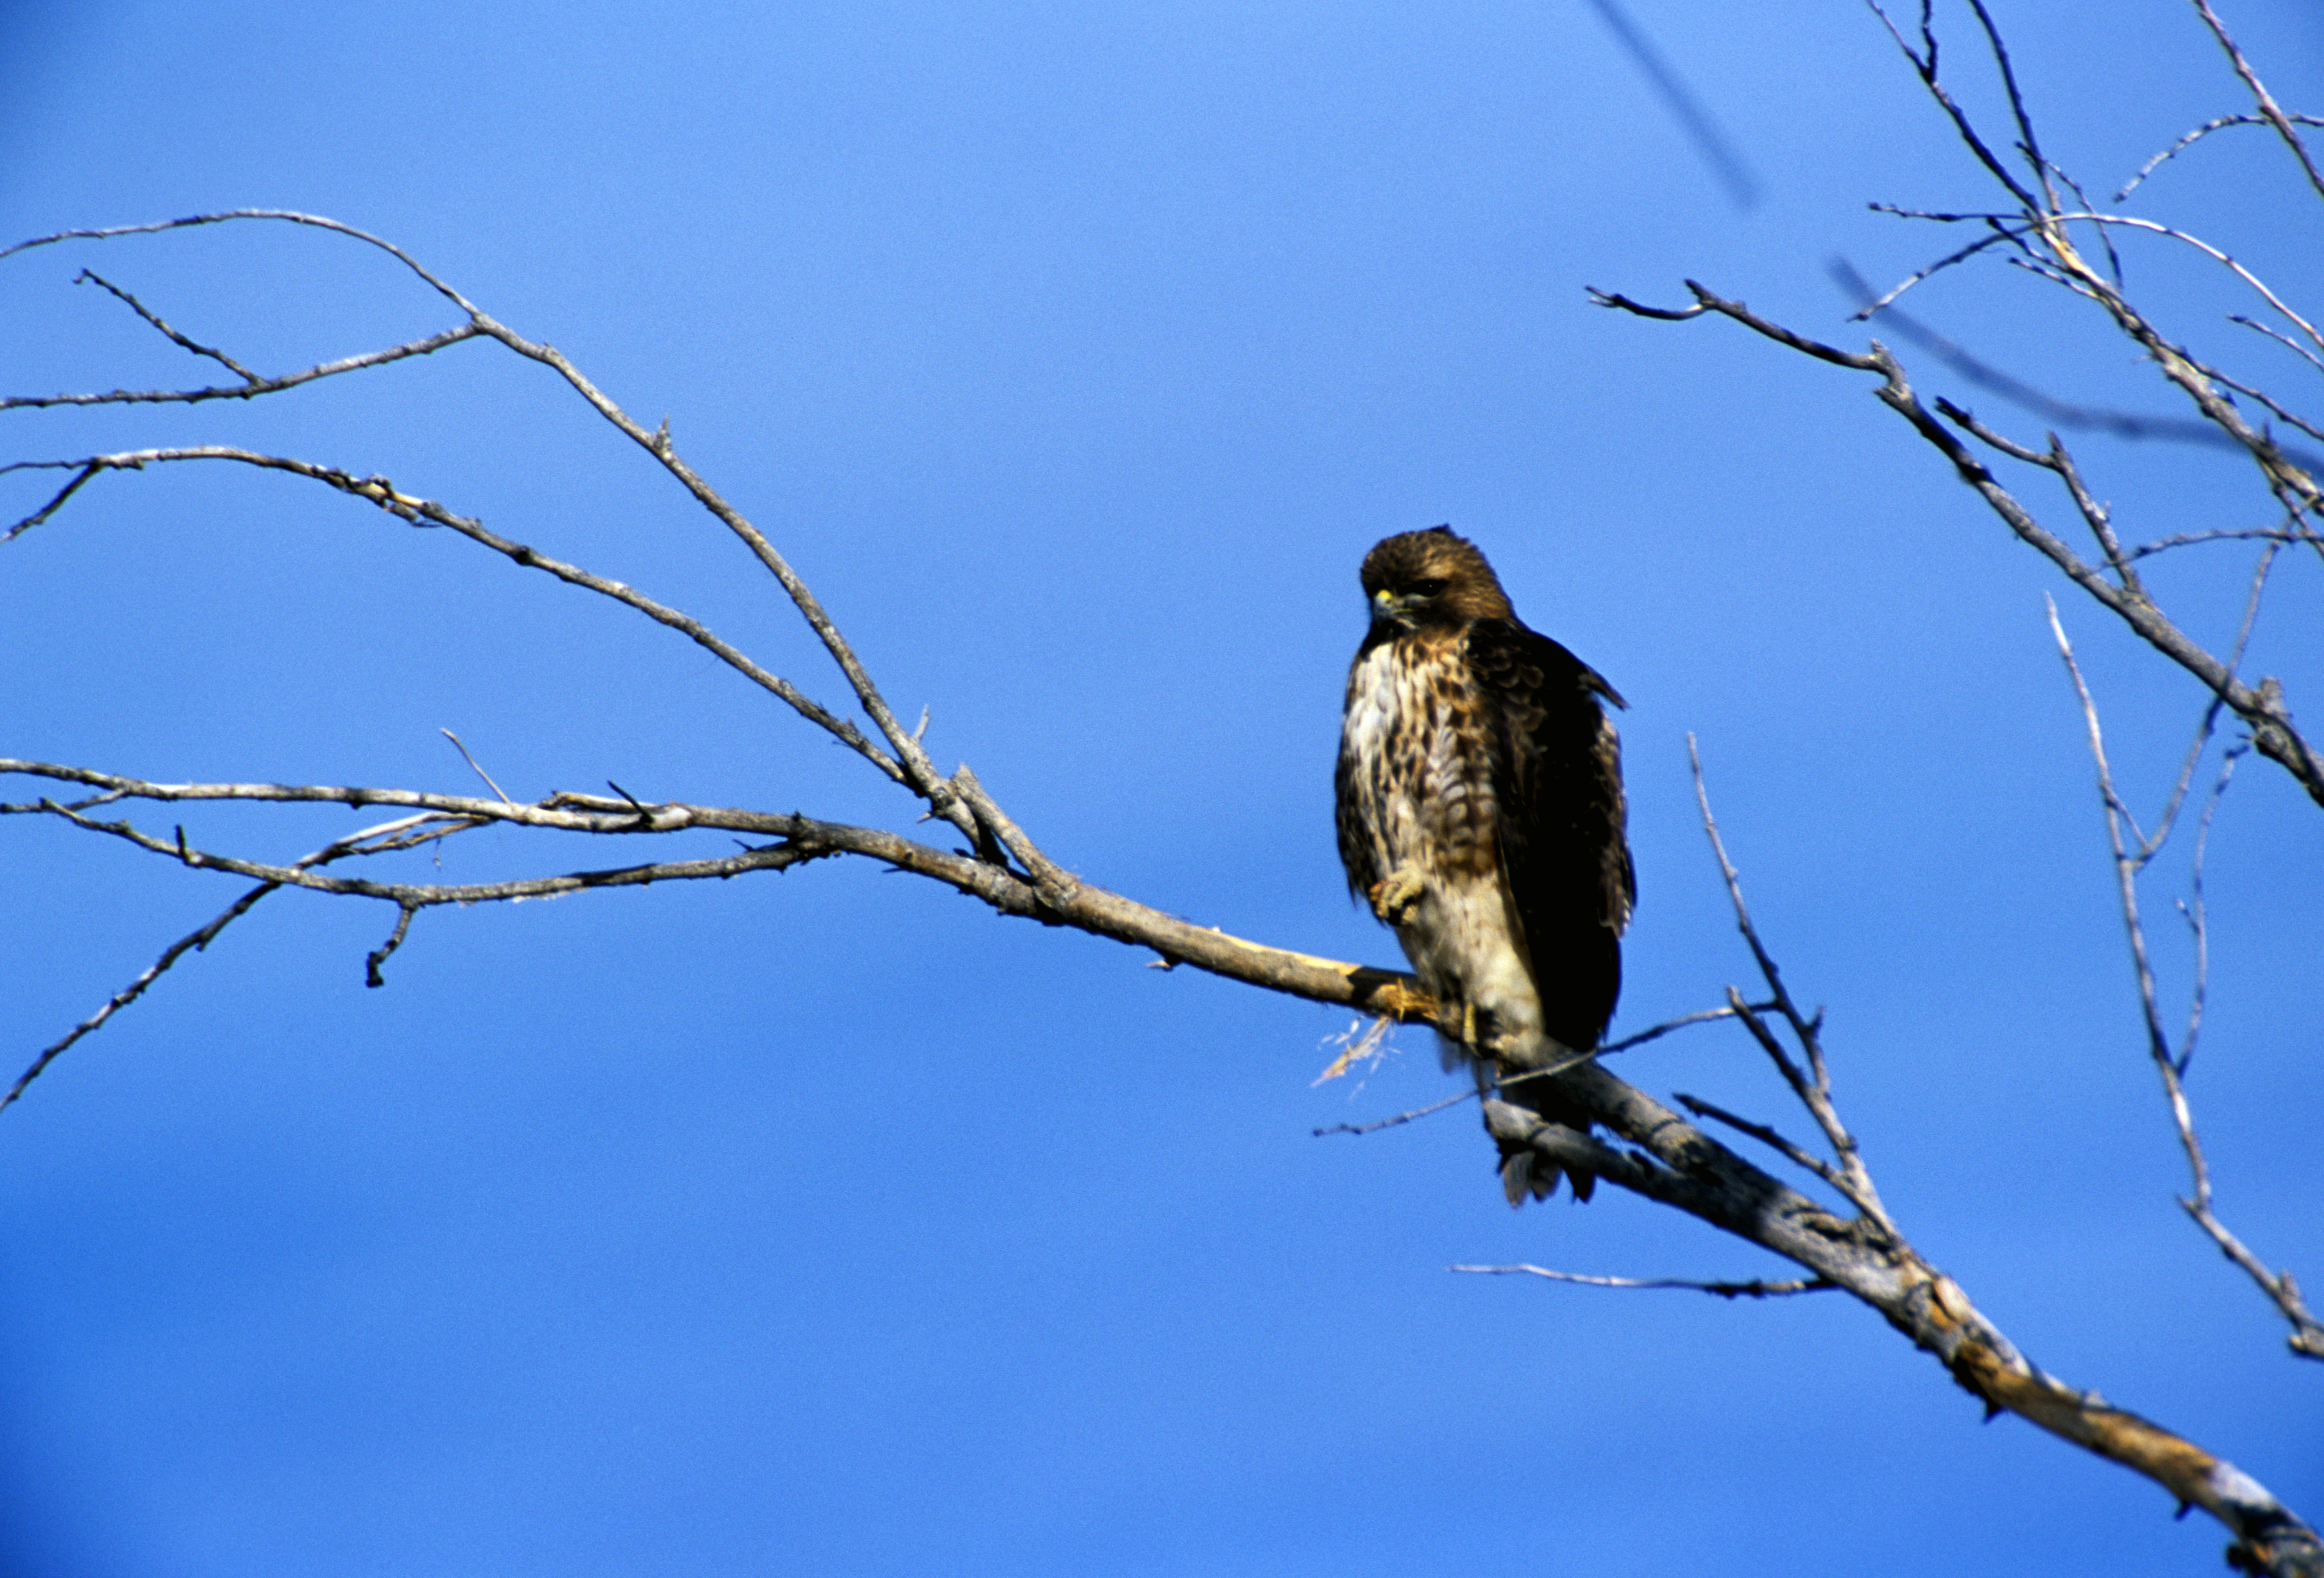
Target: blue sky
[{"x": 828, "y": 1224}]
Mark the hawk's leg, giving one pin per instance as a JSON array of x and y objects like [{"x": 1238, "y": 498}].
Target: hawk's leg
[
  {"x": 1395, "y": 893},
  {"x": 1481, "y": 1067}
]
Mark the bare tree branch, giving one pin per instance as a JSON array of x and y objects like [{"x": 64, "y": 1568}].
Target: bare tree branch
[
  {"x": 2268, "y": 108},
  {"x": 370, "y": 841},
  {"x": 142, "y": 311},
  {"x": 2257, "y": 534},
  {"x": 2262, "y": 708},
  {"x": 194, "y": 941},
  {"x": 2064, "y": 413},
  {"x": 1399, "y": 1120},
  {"x": 1389, "y": 995},
  {"x": 912, "y": 766},
  {"x": 2307, "y": 1338},
  {"x": 2217, "y": 123},
  {"x": 419, "y": 512},
  {"x": 256, "y": 386},
  {"x": 1679, "y": 1166},
  {"x": 1814, "y": 1087}
]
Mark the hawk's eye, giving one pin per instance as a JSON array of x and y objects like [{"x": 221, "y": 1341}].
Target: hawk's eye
[{"x": 1431, "y": 588}]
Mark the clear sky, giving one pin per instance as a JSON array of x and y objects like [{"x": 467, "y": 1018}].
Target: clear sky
[{"x": 826, "y": 1223}]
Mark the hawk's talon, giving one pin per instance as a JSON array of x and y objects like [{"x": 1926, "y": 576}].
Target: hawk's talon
[{"x": 1396, "y": 893}]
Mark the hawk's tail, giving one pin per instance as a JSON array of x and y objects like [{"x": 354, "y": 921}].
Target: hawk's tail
[{"x": 1525, "y": 1171}]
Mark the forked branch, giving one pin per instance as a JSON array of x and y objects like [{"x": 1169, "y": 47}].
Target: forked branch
[
  {"x": 2262, "y": 708},
  {"x": 2130, "y": 854}
]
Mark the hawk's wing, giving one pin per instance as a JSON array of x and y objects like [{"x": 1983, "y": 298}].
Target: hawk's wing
[{"x": 1558, "y": 781}]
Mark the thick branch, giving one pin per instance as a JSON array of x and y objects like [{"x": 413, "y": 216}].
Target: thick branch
[
  {"x": 1682, "y": 1167},
  {"x": 1387, "y": 993}
]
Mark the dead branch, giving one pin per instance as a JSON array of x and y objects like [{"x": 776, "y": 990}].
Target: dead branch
[
  {"x": 2307, "y": 1338},
  {"x": 2268, "y": 108},
  {"x": 419, "y": 511},
  {"x": 2217, "y": 124},
  {"x": 2262, "y": 708}
]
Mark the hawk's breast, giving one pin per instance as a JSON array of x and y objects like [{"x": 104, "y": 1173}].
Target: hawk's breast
[{"x": 1416, "y": 795}]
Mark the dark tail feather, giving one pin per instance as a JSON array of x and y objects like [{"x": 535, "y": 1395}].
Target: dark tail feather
[{"x": 1525, "y": 1171}]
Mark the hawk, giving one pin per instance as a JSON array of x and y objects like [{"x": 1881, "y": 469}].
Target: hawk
[{"x": 1480, "y": 815}]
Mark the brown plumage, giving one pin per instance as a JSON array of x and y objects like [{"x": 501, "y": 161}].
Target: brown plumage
[{"x": 1480, "y": 815}]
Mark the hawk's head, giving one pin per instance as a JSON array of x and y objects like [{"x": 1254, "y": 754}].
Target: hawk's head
[{"x": 1431, "y": 577}]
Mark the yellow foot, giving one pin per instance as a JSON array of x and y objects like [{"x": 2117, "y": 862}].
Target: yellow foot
[{"x": 1395, "y": 893}]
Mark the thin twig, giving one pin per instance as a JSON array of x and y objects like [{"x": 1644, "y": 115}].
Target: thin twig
[
  {"x": 192, "y": 942},
  {"x": 1852, "y": 1177},
  {"x": 1797, "y": 1155},
  {"x": 2260, "y": 96},
  {"x": 1655, "y": 1033},
  {"x": 1756, "y": 1288},
  {"x": 2219, "y": 124},
  {"x": 2120, "y": 424},
  {"x": 142, "y": 311},
  {"x": 2286, "y": 534},
  {"x": 2258, "y": 286},
  {"x": 1405, "y": 1117},
  {"x": 226, "y": 216},
  {"x": 2280, "y": 338},
  {"x": 378, "y": 489},
  {"x": 2197, "y": 918},
  {"x": 471, "y": 760},
  {"x": 2273, "y": 732},
  {"x": 425, "y": 345},
  {"x": 1701, "y": 1016}
]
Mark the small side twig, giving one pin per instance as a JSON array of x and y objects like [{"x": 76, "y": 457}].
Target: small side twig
[
  {"x": 380, "y": 954},
  {"x": 1401, "y": 1118},
  {"x": 1756, "y": 1288},
  {"x": 1798, "y": 1156},
  {"x": 1813, "y": 1085},
  {"x": 472, "y": 761},
  {"x": 142, "y": 311}
]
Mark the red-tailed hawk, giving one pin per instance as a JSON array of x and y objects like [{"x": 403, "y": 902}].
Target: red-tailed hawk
[{"x": 1480, "y": 814}]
